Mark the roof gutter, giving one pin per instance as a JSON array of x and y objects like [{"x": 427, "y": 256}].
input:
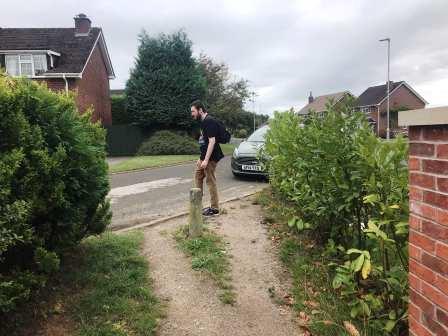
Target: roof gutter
[
  {"x": 47, "y": 51},
  {"x": 60, "y": 75}
]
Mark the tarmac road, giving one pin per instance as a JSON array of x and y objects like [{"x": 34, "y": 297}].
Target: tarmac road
[{"x": 143, "y": 196}]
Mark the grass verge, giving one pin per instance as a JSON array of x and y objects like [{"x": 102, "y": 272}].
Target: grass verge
[
  {"x": 227, "y": 149},
  {"x": 103, "y": 288},
  {"x": 320, "y": 308},
  {"x": 116, "y": 296},
  {"x": 208, "y": 255},
  {"x": 142, "y": 162}
]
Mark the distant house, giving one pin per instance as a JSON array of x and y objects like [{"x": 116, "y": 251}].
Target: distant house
[
  {"x": 66, "y": 59},
  {"x": 319, "y": 104},
  {"x": 373, "y": 102}
]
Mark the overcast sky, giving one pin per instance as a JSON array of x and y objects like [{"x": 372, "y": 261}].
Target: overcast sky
[{"x": 284, "y": 48}]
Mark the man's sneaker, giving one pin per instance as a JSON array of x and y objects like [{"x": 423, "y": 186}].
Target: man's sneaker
[{"x": 210, "y": 212}]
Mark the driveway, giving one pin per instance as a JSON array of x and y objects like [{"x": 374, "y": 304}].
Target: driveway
[{"x": 143, "y": 196}]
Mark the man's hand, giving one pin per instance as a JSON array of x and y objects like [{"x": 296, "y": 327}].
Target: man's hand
[{"x": 204, "y": 164}]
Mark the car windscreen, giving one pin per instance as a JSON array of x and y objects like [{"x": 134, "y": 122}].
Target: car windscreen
[{"x": 259, "y": 134}]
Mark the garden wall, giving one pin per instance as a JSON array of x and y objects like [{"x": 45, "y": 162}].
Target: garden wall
[{"x": 428, "y": 237}]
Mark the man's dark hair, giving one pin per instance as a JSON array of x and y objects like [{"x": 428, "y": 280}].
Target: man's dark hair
[{"x": 198, "y": 105}]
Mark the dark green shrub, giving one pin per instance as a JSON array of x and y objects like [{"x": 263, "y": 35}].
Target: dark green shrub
[
  {"x": 53, "y": 184},
  {"x": 242, "y": 133},
  {"x": 169, "y": 143},
  {"x": 119, "y": 112}
]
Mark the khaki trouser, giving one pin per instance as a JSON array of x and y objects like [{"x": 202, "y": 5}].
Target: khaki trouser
[{"x": 210, "y": 178}]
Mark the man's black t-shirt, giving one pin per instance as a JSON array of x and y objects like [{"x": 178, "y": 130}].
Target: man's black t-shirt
[{"x": 210, "y": 129}]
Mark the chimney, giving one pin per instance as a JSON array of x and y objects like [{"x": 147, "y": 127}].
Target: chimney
[
  {"x": 310, "y": 98},
  {"x": 82, "y": 25}
]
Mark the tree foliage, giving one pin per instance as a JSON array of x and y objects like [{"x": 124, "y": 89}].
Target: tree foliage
[
  {"x": 226, "y": 97},
  {"x": 165, "y": 80},
  {"x": 120, "y": 114},
  {"x": 53, "y": 184}
]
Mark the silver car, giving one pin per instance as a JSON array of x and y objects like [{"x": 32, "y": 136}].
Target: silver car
[{"x": 245, "y": 157}]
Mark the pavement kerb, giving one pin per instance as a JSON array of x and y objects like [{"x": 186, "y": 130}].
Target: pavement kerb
[{"x": 177, "y": 215}]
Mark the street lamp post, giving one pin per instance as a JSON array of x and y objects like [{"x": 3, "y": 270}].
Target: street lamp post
[
  {"x": 253, "y": 109},
  {"x": 388, "y": 86}
]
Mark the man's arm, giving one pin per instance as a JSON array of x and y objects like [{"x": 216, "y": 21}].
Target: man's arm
[{"x": 211, "y": 146}]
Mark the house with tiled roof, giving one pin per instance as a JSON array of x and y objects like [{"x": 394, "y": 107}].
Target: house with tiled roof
[
  {"x": 373, "y": 102},
  {"x": 66, "y": 59},
  {"x": 319, "y": 104}
]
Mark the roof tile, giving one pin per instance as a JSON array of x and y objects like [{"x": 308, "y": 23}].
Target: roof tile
[{"x": 74, "y": 50}]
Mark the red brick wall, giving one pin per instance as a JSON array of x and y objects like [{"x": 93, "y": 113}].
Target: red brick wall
[
  {"x": 93, "y": 89},
  {"x": 428, "y": 237},
  {"x": 58, "y": 84}
]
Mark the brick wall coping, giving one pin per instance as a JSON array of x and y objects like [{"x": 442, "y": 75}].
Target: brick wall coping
[{"x": 421, "y": 117}]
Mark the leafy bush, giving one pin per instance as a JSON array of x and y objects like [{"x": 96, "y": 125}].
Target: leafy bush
[
  {"x": 120, "y": 114},
  {"x": 169, "y": 143},
  {"x": 53, "y": 184},
  {"x": 348, "y": 188},
  {"x": 242, "y": 133}
]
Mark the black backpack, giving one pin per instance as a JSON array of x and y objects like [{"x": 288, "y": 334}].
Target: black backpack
[{"x": 223, "y": 134}]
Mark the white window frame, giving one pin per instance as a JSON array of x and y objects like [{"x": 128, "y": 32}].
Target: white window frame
[
  {"x": 31, "y": 61},
  {"x": 20, "y": 62},
  {"x": 365, "y": 110}
]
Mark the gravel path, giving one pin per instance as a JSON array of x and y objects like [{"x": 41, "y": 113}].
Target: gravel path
[{"x": 193, "y": 307}]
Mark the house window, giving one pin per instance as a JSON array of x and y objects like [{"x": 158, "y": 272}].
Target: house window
[
  {"x": 365, "y": 110},
  {"x": 40, "y": 64},
  {"x": 26, "y": 65}
]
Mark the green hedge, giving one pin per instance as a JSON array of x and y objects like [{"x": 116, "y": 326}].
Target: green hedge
[
  {"x": 348, "y": 189},
  {"x": 169, "y": 143},
  {"x": 53, "y": 184},
  {"x": 119, "y": 112}
]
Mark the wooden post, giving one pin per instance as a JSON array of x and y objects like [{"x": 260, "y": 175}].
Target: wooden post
[{"x": 195, "y": 224}]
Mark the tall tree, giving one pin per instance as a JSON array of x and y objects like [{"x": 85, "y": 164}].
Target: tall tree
[
  {"x": 226, "y": 96},
  {"x": 165, "y": 80}
]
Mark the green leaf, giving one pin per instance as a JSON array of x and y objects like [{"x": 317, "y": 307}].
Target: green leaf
[
  {"x": 371, "y": 199},
  {"x": 354, "y": 312},
  {"x": 392, "y": 315},
  {"x": 390, "y": 325},
  {"x": 300, "y": 225},
  {"x": 292, "y": 222},
  {"x": 365, "y": 308},
  {"x": 358, "y": 262},
  {"x": 353, "y": 250}
]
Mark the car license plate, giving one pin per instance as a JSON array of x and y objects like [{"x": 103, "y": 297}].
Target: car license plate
[{"x": 251, "y": 167}]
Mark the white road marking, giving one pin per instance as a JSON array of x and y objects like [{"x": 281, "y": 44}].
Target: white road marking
[{"x": 140, "y": 188}]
